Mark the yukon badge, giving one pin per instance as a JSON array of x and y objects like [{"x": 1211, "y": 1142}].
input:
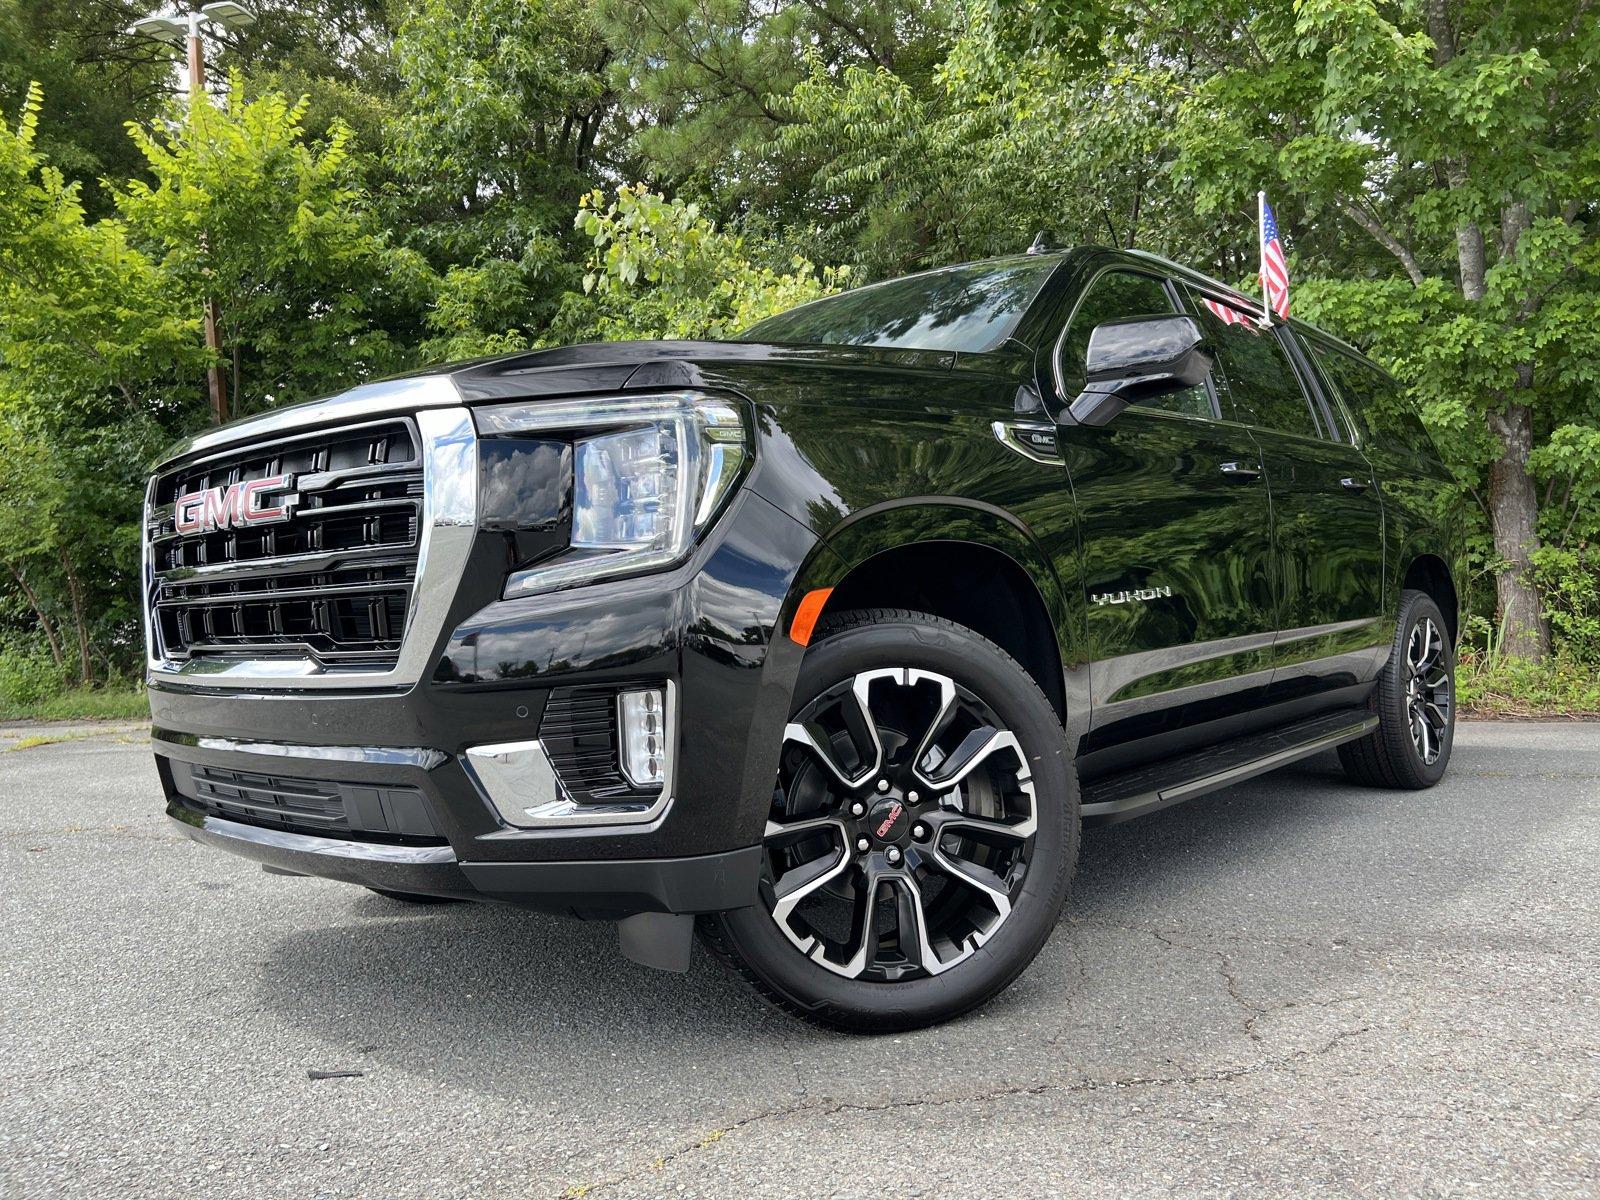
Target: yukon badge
[
  {"x": 1127, "y": 595},
  {"x": 236, "y": 506}
]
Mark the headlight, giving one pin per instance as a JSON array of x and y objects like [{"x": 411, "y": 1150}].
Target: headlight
[{"x": 649, "y": 474}]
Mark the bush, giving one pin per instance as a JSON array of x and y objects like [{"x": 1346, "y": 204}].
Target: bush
[
  {"x": 1569, "y": 580},
  {"x": 1502, "y": 686},
  {"x": 28, "y": 676}
]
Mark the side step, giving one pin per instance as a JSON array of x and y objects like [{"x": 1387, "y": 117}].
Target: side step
[{"x": 1160, "y": 785}]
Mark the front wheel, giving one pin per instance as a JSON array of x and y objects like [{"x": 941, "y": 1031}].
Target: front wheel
[
  {"x": 923, "y": 829},
  {"x": 1415, "y": 703}
]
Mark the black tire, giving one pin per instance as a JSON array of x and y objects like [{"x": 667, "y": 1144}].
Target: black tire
[
  {"x": 415, "y": 897},
  {"x": 1036, "y": 871},
  {"x": 1392, "y": 756}
]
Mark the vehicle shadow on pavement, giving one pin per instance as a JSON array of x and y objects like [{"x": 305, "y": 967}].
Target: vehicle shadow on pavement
[{"x": 516, "y": 1003}]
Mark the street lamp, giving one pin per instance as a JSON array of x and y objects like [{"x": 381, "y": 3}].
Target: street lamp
[{"x": 173, "y": 25}]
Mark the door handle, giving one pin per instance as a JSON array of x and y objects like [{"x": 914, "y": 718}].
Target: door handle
[
  {"x": 1351, "y": 484},
  {"x": 1242, "y": 473}
]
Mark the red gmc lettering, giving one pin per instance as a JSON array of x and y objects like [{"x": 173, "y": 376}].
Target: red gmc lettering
[{"x": 233, "y": 507}]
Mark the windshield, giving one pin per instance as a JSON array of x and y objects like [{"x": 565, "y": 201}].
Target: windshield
[{"x": 969, "y": 308}]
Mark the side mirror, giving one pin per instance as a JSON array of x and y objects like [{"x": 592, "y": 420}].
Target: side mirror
[{"x": 1129, "y": 361}]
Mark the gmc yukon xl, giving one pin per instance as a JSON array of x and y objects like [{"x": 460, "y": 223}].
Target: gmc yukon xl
[{"x": 824, "y": 640}]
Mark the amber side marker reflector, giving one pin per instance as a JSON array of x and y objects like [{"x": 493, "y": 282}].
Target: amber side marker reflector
[{"x": 805, "y": 617}]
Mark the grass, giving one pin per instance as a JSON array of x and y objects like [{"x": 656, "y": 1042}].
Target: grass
[
  {"x": 117, "y": 702},
  {"x": 35, "y": 740},
  {"x": 1500, "y": 686}
]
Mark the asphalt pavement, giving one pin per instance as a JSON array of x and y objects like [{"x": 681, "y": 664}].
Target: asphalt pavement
[{"x": 1293, "y": 988}]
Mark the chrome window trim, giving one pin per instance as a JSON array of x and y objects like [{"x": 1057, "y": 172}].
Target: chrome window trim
[{"x": 449, "y": 450}]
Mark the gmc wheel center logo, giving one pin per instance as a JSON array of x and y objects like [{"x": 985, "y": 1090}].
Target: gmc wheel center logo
[{"x": 237, "y": 506}]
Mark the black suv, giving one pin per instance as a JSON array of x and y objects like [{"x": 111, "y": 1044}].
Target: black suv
[{"x": 827, "y": 637}]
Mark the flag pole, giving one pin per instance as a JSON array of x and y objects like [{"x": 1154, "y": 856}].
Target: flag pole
[{"x": 1261, "y": 254}]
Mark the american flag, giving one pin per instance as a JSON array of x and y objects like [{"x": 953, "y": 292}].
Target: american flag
[
  {"x": 1228, "y": 314},
  {"x": 1274, "y": 268}
]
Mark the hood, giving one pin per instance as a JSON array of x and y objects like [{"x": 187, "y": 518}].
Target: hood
[{"x": 559, "y": 371}]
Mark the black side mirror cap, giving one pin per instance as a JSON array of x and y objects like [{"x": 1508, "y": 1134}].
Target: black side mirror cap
[{"x": 1129, "y": 361}]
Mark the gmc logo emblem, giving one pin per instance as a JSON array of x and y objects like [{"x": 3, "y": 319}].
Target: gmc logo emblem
[{"x": 236, "y": 506}]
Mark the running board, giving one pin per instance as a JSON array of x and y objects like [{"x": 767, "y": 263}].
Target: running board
[{"x": 1160, "y": 785}]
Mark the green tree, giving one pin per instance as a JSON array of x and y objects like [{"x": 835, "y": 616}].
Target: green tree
[
  {"x": 1463, "y": 140},
  {"x": 95, "y": 348},
  {"x": 706, "y": 82},
  {"x": 659, "y": 268},
  {"x": 241, "y": 205},
  {"x": 97, "y": 77}
]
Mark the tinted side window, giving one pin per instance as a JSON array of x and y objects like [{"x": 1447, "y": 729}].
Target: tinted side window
[
  {"x": 1377, "y": 402},
  {"x": 1264, "y": 388},
  {"x": 1117, "y": 296}
]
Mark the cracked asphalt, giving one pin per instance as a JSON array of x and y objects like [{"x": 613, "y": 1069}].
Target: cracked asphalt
[{"x": 1293, "y": 988}]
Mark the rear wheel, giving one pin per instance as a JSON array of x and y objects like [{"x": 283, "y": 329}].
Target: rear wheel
[
  {"x": 1415, "y": 704},
  {"x": 922, "y": 831}
]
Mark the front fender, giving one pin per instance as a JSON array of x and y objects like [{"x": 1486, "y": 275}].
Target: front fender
[{"x": 941, "y": 520}]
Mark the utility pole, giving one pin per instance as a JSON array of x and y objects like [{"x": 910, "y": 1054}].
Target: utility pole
[{"x": 173, "y": 25}]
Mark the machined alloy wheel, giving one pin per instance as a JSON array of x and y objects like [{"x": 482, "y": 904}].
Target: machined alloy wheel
[
  {"x": 901, "y": 828},
  {"x": 922, "y": 828},
  {"x": 1414, "y": 702},
  {"x": 1429, "y": 689}
]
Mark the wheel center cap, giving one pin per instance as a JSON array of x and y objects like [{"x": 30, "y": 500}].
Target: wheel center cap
[{"x": 888, "y": 820}]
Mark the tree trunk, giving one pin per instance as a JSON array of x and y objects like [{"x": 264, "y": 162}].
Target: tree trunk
[
  {"x": 1513, "y": 511},
  {"x": 85, "y": 663},
  {"x": 38, "y": 611}
]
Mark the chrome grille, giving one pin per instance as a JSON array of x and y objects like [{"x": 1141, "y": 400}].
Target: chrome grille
[{"x": 334, "y": 580}]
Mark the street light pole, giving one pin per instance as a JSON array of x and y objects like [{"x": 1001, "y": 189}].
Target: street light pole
[
  {"x": 172, "y": 26},
  {"x": 216, "y": 381}
]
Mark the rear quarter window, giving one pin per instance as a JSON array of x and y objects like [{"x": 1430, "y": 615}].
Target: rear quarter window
[{"x": 1377, "y": 403}]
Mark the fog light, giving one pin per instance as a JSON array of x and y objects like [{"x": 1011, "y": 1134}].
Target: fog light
[{"x": 642, "y": 730}]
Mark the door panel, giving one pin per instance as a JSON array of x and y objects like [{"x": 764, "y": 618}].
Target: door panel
[
  {"x": 1328, "y": 534},
  {"x": 1176, "y": 570},
  {"x": 1175, "y": 548},
  {"x": 1327, "y": 519}
]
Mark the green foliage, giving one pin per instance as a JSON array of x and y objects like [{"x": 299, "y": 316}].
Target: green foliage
[
  {"x": 707, "y": 84},
  {"x": 658, "y": 268},
  {"x": 76, "y": 51},
  {"x": 86, "y": 318},
  {"x": 1569, "y": 580},
  {"x": 1514, "y": 687},
  {"x": 28, "y": 676},
  {"x": 240, "y": 204},
  {"x": 385, "y": 184},
  {"x": 1569, "y": 467},
  {"x": 118, "y": 700}
]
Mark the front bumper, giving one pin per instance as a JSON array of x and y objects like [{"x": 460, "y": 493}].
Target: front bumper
[
  {"x": 602, "y": 889},
  {"x": 414, "y": 795},
  {"x": 707, "y": 629}
]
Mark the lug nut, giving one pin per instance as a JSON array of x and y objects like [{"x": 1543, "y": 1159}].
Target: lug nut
[
  {"x": 858, "y": 809},
  {"x": 912, "y": 797},
  {"x": 893, "y": 855},
  {"x": 883, "y": 785},
  {"x": 863, "y": 845},
  {"x": 919, "y": 831}
]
